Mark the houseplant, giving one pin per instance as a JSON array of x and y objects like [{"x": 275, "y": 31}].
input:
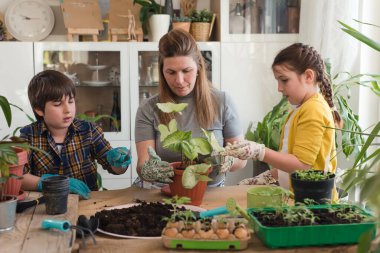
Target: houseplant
[
  {"x": 190, "y": 179},
  {"x": 312, "y": 184},
  {"x": 201, "y": 24},
  {"x": 181, "y": 23},
  {"x": 12, "y": 152},
  {"x": 154, "y": 22}
]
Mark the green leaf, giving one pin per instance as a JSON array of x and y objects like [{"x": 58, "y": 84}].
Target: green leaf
[
  {"x": 193, "y": 174},
  {"x": 171, "y": 107},
  {"x": 5, "y": 106},
  {"x": 201, "y": 145},
  {"x": 173, "y": 141},
  {"x": 360, "y": 36},
  {"x": 212, "y": 140},
  {"x": 188, "y": 150},
  {"x": 165, "y": 131}
]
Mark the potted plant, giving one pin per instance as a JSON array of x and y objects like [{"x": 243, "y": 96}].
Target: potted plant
[
  {"x": 13, "y": 156},
  {"x": 181, "y": 23},
  {"x": 190, "y": 179},
  {"x": 312, "y": 184},
  {"x": 312, "y": 225},
  {"x": 154, "y": 22},
  {"x": 201, "y": 24}
]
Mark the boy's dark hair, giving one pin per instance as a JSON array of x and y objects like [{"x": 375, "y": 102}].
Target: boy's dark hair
[{"x": 49, "y": 85}]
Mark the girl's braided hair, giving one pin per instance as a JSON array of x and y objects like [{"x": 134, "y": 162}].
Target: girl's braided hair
[{"x": 299, "y": 57}]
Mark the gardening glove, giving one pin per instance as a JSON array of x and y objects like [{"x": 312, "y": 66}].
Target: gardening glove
[
  {"x": 245, "y": 150},
  {"x": 76, "y": 186},
  {"x": 222, "y": 163},
  {"x": 264, "y": 178},
  {"x": 119, "y": 157},
  {"x": 156, "y": 170}
]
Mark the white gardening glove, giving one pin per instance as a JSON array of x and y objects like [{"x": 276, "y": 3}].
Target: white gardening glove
[
  {"x": 245, "y": 150},
  {"x": 264, "y": 178},
  {"x": 156, "y": 170}
]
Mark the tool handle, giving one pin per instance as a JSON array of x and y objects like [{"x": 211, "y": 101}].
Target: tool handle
[
  {"x": 62, "y": 225},
  {"x": 212, "y": 212}
]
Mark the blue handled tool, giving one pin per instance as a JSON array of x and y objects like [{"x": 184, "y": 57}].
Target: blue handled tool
[
  {"x": 84, "y": 228},
  {"x": 212, "y": 212},
  {"x": 62, "y": 225}
]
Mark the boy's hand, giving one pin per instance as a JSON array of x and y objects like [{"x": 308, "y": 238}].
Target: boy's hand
[
  {"x": 156, "y": 170},
  {"x": 245, "y": 150},
  {"x": 76, "y": 186},
  {"x": 119, "y": 157}
]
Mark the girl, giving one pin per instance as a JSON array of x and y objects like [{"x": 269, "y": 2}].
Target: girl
[{"x": 307, "y": 140}]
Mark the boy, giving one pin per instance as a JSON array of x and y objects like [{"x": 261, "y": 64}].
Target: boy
[{"x": 73, "y": 144}]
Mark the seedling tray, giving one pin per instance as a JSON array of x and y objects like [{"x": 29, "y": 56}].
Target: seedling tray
[
  {"x": 312, "y": 235},
  {"x": 174, "y": 243}
]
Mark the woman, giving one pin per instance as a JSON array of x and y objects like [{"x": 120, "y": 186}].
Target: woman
[{"x": 182, "y": 79}]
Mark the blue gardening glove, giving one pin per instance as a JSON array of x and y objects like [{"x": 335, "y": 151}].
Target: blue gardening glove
[
  {"x": 119, "y": 157},
  {"x": 156, "y": 170},
  {"x": 76, "y": 186}
]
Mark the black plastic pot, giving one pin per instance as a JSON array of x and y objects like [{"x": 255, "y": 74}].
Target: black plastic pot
[
  {"x": 56, "y": 191},
  {"x": 319, "y": 191}
]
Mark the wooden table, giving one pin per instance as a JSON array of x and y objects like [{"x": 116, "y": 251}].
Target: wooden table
[
  {"x": 214, "y": 197},
  {"x": 28, "y": 236}
]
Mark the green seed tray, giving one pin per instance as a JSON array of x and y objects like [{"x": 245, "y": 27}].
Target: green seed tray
[
  {"x": 174, "y": 243},
  {"x": 312, "y": 235}
]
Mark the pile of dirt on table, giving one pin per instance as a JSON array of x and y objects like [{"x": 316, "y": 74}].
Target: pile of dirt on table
[{"x": 145, "y": 219}]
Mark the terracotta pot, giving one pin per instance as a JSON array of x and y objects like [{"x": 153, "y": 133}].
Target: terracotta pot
[
  {"x": 195, "y": 194},
  {"x": 12, "y": 186}
]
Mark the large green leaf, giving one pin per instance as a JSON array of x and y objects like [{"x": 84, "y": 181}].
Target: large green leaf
[
  {"x": 212, "y": 140},
  {"x": 173, "y": 141},
  {"x": 360, "y": 36},
  {"x": 5, "y": 106},
  {"x": 189, "y": 150},
  {"x": 165, "y": 131},
  {"x": 201, "y": 145}
]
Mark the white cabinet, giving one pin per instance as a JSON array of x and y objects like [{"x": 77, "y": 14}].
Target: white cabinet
[
  {"x": 259, "y": 20},
  {"x": 101, "y": 74},
  {"x": 16, "y": 70}
]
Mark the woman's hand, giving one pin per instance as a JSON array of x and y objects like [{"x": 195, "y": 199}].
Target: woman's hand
[{"x": 156, "y": 170}]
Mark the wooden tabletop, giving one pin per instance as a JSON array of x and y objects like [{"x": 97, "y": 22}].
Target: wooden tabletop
[
  {"x": 214, "y": 197},
  {"x": 28, "y": 236}
]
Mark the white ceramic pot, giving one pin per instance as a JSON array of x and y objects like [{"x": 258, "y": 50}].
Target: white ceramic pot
[{"x": 158, "y": 26}]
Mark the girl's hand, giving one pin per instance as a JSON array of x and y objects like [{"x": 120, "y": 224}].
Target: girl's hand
[{"x": 245, "y": 150}]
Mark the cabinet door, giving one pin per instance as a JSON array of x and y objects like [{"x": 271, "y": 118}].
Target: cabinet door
[
  {"x": 16, "y": 71},
  {"x": 100, "y": 73},
  {"x": 144, "y": 71},
  {"x": 259, "y": 20}
]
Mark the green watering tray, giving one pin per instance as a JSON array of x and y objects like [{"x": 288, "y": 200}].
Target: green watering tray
[{"x": 312, "y": 235}]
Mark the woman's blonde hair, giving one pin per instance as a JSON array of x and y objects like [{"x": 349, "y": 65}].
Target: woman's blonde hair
[{"x": 180, "y": 43}]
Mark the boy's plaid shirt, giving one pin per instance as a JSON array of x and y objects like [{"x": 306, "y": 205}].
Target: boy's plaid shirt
[{"x": 84, "y": 143}]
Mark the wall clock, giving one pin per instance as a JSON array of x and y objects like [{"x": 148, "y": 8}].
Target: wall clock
[{"x": 29, "y": 20}]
